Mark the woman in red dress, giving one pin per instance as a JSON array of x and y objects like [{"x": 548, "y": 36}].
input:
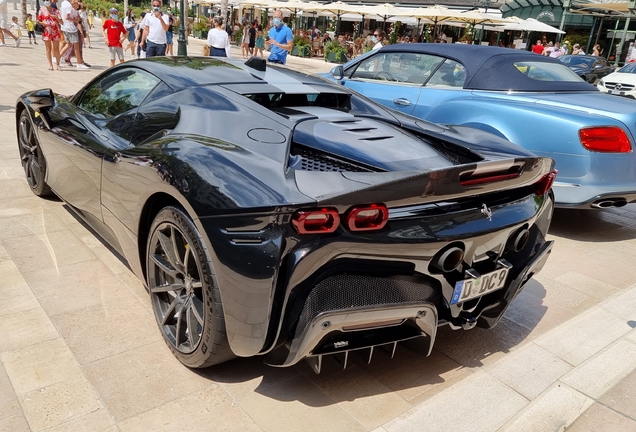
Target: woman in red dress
[{"x": 50, "y": 19}]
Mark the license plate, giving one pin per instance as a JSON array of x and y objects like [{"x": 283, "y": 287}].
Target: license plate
[
  {"x": 468, "y": 289},
  {"x": 616, "y": 92}
]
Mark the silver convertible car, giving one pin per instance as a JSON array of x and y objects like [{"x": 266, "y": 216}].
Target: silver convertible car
[{"x": 534, "y": 101}]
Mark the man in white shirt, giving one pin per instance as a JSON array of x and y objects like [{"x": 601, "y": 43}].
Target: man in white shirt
[
  {"x": 4, "y": 25},
  {"x": 69, "y": 27},
  {"x": 155, "y": 28}
]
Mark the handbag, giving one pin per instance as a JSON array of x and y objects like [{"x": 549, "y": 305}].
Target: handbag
[
  {"x": 39, "y": 28},
  {"x": 206, "y": 50}
]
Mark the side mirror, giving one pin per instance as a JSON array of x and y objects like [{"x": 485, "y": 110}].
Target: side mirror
[
  {"x": 41, "y": 100},
  {"x": 337, "y": 73}
]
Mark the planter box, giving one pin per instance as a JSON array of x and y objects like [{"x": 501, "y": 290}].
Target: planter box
[
  {"x": 331, "y": 57},
  {"x": 200, "y": 34},
  {"x": 301, "y": 51}
]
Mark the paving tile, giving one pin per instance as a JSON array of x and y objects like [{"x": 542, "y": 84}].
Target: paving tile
[
  {"x": 76, "y": 286},
  {"x": 583, "y": 336},
  {"x": 587, "y": 284},
  {"x": 623, "y": 304},
  {"x": 9, "y": 405},
  {"x": 59, "y": 403},
  {"x": 622, "y": 397},
  {"x": 40, "y": 365},
  {"x": 195, "y": 411},
  {"x": 37, "y": 223},
  {"x": 141, "y": 379},
  {"x": 478, "y": 403},
  {"x": 25, "y": 328},
  {"x": 96, "y": 421},
  {"x": 17, "y": 298},
  {"x": 603, "y": 371},
  {"x": 599, "y": 418},
  {"x": 286, "y": 405},
  {"x": 530, "y": 370},
  {"x": 14, "y": 424},
  {"x": 9, "y": 274},
  {"x": 103, "y": 330},
  {"x": 561, "y": 295},
  {"x": 135, "y": 286},
  {"x": 367, "y": 400},
  {"x": 4, "y": 255},
  {"x": 552, "y": 411}
]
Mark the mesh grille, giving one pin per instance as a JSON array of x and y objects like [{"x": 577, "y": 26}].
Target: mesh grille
[
  {"x": 311, "y": 160},
  {"x": 341, "y": 292}
]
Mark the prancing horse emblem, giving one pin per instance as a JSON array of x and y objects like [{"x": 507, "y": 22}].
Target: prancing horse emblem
[{"x": 486, "y": 211}]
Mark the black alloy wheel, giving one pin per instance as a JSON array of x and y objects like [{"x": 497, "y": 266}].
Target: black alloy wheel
[
  {"x": 184, "y": 293},
  {"x": 31, "y": 157}
]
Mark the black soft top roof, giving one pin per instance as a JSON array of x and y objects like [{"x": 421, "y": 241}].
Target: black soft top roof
[{"x": 492, "y": 68}]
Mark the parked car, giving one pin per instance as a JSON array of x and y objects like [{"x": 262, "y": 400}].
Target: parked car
[
  {"x": 589, "y": 68},
  {"x": 534, "y": 101},
  {"x": 620, "y": 83},
  {"x": 273, "y": 213}
]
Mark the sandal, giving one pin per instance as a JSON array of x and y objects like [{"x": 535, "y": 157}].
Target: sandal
[
  {"x": 51, "y": 68},
  {"x": 68, "y": 62}
]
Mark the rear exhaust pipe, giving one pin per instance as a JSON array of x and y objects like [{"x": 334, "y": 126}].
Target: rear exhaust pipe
[
  {"x": 607, "y": 203},
  {"x": 518, "y": 240},
  {"x": 448, "y": 260}
]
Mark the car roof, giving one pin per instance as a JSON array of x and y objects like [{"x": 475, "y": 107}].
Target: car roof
[
  {"x": 492, "y": 68},
  {"x": 184, "y": 72}
]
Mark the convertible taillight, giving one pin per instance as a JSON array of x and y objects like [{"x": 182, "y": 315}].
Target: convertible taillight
[
  {"x": 371, "y": 217},
  {"x": 316, "y": 221},
  {"x": 543, "y": 186},
  {"x": 607, "y": 139}
]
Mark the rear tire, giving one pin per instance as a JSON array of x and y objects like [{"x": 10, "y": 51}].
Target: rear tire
[
  {"x": 184, "y": 292},
  {"x": 31, "y": 157}
]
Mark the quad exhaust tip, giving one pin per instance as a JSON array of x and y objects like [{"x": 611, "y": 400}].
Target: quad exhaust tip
[
  {"x": 448, "y": 260},
  {"x": 608, "y": 203}
]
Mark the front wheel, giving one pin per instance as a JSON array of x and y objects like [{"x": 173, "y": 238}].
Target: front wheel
[
  {"x": 184, "y": 293},
  {"x": 31, "y": 157}
]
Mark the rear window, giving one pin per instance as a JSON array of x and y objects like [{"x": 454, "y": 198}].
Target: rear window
[{"x": 543, "y": 71}]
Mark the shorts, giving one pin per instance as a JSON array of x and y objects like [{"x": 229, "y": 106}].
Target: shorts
[
  {"x": 131, "y": 34},
  {"x": 169, "y": 38},
  {"x": 71, "y": 38},
  {"x": 116, "y": 50}
]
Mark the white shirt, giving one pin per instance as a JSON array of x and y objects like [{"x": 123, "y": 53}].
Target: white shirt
[
  {"x": 217, "y": 38},
  {"x": 156, "y": 33},
  {"x": 377, "y": 45},
  {"x": 67, "y": 25},
  {"x": 128, "y": 23},
  {"x": 3, "y": 9}
]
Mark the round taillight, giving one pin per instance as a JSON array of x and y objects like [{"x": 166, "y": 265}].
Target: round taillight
[
  {"x": 607, "y": 139},
  {"x": 370, "y": 217},
  {"x": 316, "y": 221}
]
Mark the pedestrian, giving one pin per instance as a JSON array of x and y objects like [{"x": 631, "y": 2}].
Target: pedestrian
[
  {"x": 245, "y": 43},
  {"x": 141, "y": 49},
  {"x": 378, "y": 39},
  {"x": 538, "y": 47},
  {"x": 30, "y": 26},
  {"x": 218, "y": 39},
  {"x": 252, "y": 31},
  {"x": 596, "y": 50},
  {"x": 155, "y": 28},
  {"x": 129, "y": 25},
  {"x": 114, "y": 34},
  {"x": 85, "y": 27},
  {"x": 259, "y": 45},
  {"x": 170, "y": 35},
  {"x": 577, "y": 50},
  {"x": 91, "y": 19},
  {"x": 15, "y": 27},
  {"x": 70, "y": 22},
  {"x": 554, "y": 51},
  {"x": 50, "y": 20},
  {"x": 3, "y": 25},
  {"x": 280, "y": 39}
]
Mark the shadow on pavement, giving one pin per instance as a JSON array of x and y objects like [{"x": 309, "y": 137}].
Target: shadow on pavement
[{"x": 608, "y": 225}]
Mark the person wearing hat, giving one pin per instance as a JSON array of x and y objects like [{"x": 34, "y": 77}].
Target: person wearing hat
[{"x": 114, "y": 34}]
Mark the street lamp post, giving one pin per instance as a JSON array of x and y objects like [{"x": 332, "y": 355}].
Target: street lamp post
[
  {"x": 486, "y": 4},
  {"x": 566, "y": 9},
  {"x": 630, "y": 7},
  {"x": 182, "y": 49}
]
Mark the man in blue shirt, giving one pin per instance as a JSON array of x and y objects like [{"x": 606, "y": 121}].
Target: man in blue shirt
[{"x": 280, "y": 39}]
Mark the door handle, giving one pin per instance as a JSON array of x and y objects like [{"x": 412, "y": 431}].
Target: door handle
[{"x": 402, "y": 102}]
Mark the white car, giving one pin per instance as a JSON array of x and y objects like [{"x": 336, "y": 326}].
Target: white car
[{"x": 620, "y": 83}]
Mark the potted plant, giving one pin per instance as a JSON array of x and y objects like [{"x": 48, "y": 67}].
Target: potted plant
[
  {"x": 238, "y": 37},
  {"x": 334, "y": 53},
  {"x": 200, "y": 30},
  {"x": 301, "y": 47}
]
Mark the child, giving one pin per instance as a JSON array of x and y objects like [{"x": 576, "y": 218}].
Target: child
[
  {"x": 15, "y": 27},
  {"x": 30, "y": 25},
  {"x": 114, "y": 34}
]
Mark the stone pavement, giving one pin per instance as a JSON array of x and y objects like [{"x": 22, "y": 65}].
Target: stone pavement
[{"x": 79, "y": 347}]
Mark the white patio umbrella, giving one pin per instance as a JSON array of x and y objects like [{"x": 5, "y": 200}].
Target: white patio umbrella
[
  {"x": 387, "y": 10},
  {"x": 338, "y": 8},
  {"x": 529, "y": 24}
]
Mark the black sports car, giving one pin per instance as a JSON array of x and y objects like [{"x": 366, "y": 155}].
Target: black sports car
[{"x": 274, "y": 213}]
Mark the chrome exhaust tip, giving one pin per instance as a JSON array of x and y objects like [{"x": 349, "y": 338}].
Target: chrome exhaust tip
[
  {"x": 518, "y": 240},
  {"x": 448, "y": 260},
  {"x": 603, "y": 204}
]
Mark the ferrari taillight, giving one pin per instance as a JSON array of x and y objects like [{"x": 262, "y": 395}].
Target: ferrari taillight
[
  {"x": 543, "y": 186},
  {"x": 607, "y": 139},
  {"x": 371, "y": 217},
  {"x": 316, "y": 221}
]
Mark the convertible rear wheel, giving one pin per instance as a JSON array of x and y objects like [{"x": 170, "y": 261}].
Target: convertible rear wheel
[
  {"x": 184, "y": 292},
  {"x": 31, "y": 157}
]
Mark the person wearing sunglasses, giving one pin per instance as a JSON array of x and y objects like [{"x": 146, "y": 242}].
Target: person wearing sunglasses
[{"x": 378, "y": 39}]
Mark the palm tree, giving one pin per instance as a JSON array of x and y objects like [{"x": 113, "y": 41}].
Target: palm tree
[{"x": 24, "y": 11}]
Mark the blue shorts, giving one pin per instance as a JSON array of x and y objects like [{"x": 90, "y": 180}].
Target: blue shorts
[
  {"x": 131, "y": 34},
  {"x": 169, "y": 38}
]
